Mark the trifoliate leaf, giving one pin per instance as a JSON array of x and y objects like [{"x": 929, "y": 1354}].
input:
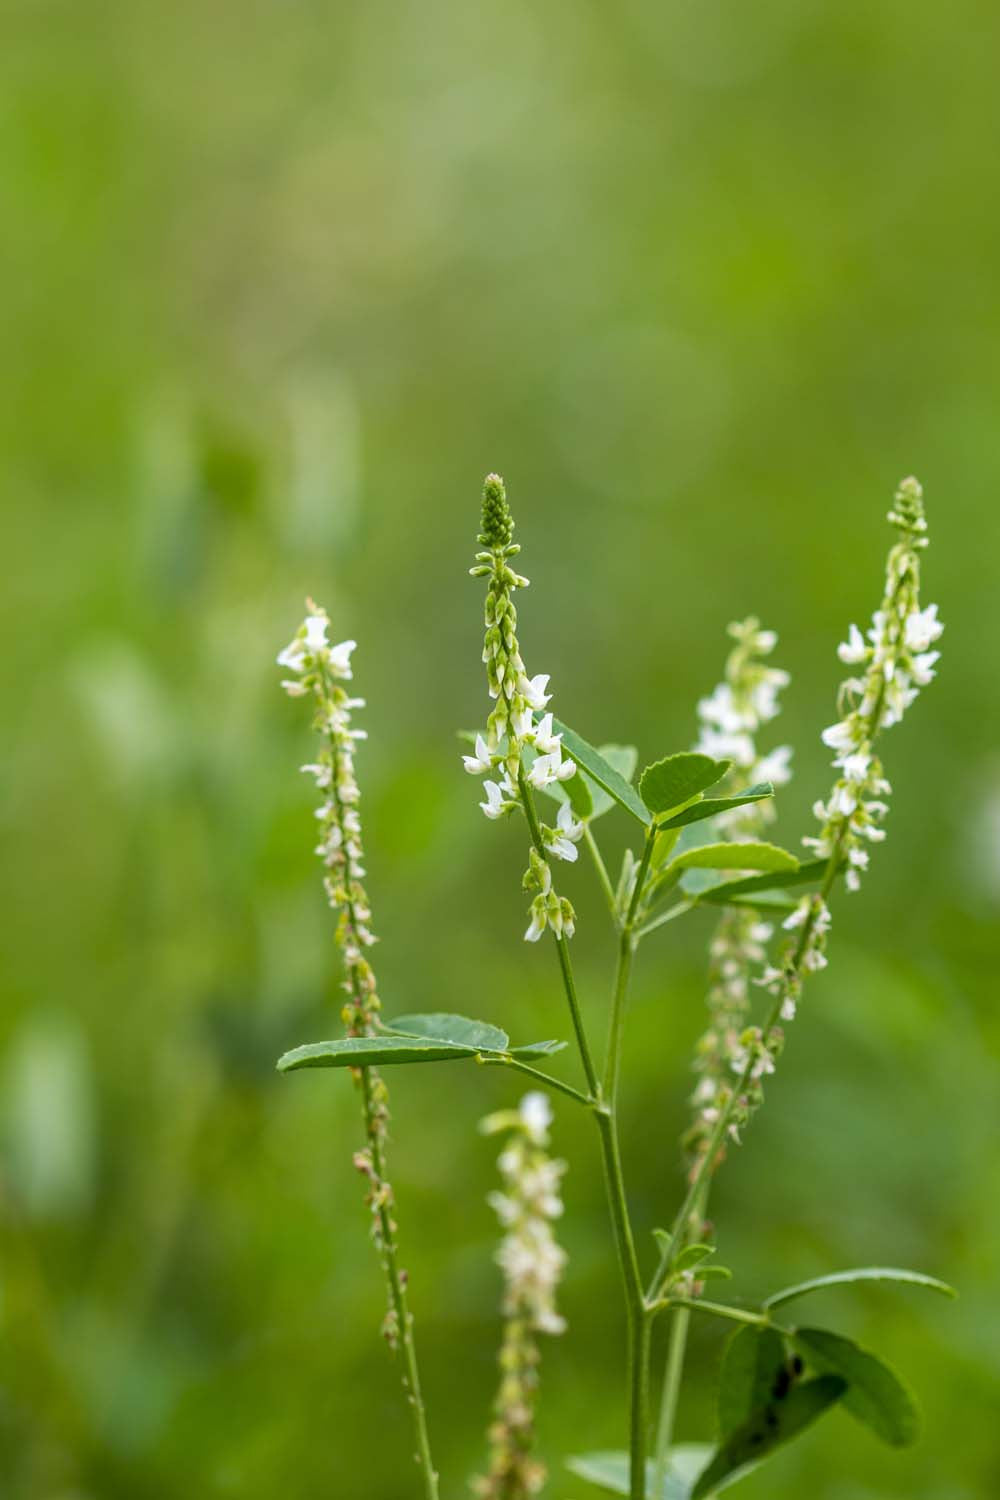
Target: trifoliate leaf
[{"x": 725, "y": 890}]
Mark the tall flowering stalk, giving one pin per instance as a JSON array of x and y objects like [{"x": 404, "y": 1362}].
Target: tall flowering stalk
[
  {"x": 320, "y": 669},
  {"x": 895, "y": 662},
  {"x": 532, "y": 1263}
]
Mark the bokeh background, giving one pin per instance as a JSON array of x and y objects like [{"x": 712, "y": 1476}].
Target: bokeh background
[{"x": 282, "y": 282}]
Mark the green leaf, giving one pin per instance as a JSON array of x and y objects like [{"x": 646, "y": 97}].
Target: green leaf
[
  {"x": 439, "y": 1026},
  {"x": 537, "y": 1049},
  {"x": 370, "y": 1051},
  {"x": 610, "y": 1471},
  {"x": 767, "y": 1430},
  {"x": 860, "y": 1273},
  {"x": 677, "y": 778},
  {"x": 621, "y": 758},
  {"x": 601, "y": 771},
  {"x": 692, "y": 1255},
  {"x": 752, "y": 1363},
  {"x": 875, "y": 1394},
  {"x": 723, "y": 1273},
  {"x": 710, "y": 807},
  {"x": 735, "y": 856},
  {"x": 812, "y": 870}
]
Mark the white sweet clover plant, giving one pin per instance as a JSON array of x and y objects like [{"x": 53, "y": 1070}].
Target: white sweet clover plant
[{"x": 703, "y": 816}]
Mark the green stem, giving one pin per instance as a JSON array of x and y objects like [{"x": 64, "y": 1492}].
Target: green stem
[
  {"x": 397, "y": 1293},
  {"x": 639, "y": 1317},
  {"x": 668, "y": 916},
  {"x": 383, "y": 1208},
  {"x": 562, "y": 947},
  {"x": 680, "y": 1319},
  {"x": 602, "y": 871},
  {"x": 720, "y": 1310},
  {"x": 538, "y": 1076}
]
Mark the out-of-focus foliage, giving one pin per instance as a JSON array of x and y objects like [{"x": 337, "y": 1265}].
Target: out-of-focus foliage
[{"x": 281, "y": 282}]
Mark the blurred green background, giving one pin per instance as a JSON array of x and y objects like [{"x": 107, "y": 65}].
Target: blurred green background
[{"x": 282, "y": 281}]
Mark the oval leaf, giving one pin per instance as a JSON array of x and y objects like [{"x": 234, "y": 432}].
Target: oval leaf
[
  {"x": 860, "y": 1273},
  {"x": 439, "y": 1026},
  {"x": 710, "y": 807},
  {"x": 767, "y": 1430},
  {"x": 692, "y": 1255},
  {"x": 601, "y": 771},
  {"x": 677, "y": 778},
  {"x": 875, "y": 1394},
  {"x": 737, "y": 856},
  {"x": 753, "y": 1363},
  {"x": 369, "y": 1051}
]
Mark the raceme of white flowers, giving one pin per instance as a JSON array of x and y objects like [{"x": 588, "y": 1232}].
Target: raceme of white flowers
[
  {"x": 731, "y": 719},
  {"x": 894, "y": 662},
  {"x": 532, "y": 1263},
  {"x": 522, "y": 749},
  {"x": 320, "y": 668}
]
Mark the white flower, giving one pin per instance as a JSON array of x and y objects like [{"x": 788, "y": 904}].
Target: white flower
[
  {"x": 536, "y": 1113},
  {"x": 481, "y": 761},
  {"x": 549, "y": 768},
  {"x": 841, "y": 736},
  {"x": 853, "y": 650},
  {"x": 921, "y": 667},
  {"x": 569, "y": 831},
  {"x": 533, "y": 690},
  {"x": 922, "y": 628},
  {"x": 495, "y": 806},
  {"x": 340, "y": 659},
  {"x": 315, "y": 636},
  {"x": 538, "y": 921},
  {"x": 545, "y": 742},
  {"x": 774, "y": 766}
]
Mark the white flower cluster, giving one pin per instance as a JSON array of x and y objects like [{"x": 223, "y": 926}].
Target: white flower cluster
[
  {"x": 530, "y": 1258},
  {"x": 894, "y": 662},
  {"x": 732, "y": 716},
  {"x": 532, "y": 1263},
  {"x": 515, "y": 744},
  {"x": 320, "y": 668}
]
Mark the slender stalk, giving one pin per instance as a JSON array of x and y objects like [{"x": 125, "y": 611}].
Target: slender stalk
[
  {"x": 720, "y": 1310},
  {"x": 562, "y": 947},
  {"x": 374, "y": 1118},
  {"x": 668, "y": 916},
  {"x": 680, "y": 1319},
  {"x": 639, "y": 1317},
  {"x": 538, "y": 1076},
  {"x": 602, "y": 871},
  {"x": 397, "y": 1294}
]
